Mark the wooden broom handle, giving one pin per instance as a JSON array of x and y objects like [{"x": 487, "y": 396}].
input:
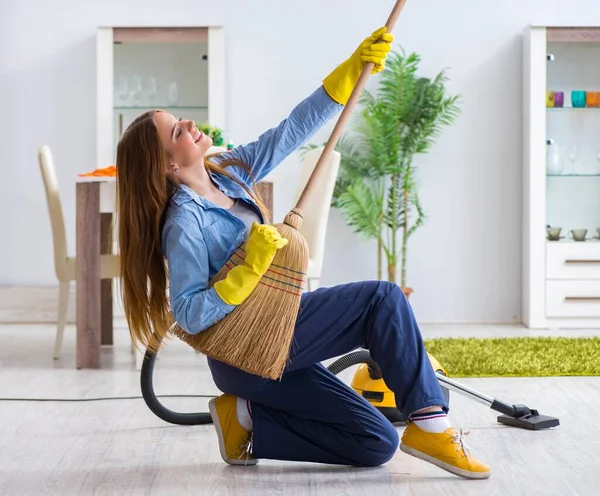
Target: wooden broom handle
[{"x": 345, "y": 116}]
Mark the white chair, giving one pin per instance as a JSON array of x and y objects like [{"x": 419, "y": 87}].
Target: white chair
[
  {"x": 64, "y": 266},
  {"x": 316, "y": 213}
]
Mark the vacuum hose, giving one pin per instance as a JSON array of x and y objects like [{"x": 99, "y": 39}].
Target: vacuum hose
[
  {"x": 162, "y": 412},
  {"x": 156, "y": 407},
  {"x": 355, "y": 358}
]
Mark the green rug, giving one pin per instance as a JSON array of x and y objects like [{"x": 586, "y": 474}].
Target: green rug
[{"x": 517, "y": 357}]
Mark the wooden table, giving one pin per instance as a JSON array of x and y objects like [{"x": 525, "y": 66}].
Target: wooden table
[{"x": 95, "y": 204}]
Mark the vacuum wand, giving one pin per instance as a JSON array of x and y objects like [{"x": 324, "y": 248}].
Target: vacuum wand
[
  {"x": 494, "y": 404},
  {"x": 462, "y": 389},
  {"x": 515, "y": 415}
]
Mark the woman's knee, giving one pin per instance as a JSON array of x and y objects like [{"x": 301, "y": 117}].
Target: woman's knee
[
  {"x": 391, "y": 297},
  {"x": 381, "y": 448},
  {"x": 388, "y": 289}
]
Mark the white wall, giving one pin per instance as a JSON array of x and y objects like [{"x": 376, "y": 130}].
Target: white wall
[{"x": 464, "y": 264}]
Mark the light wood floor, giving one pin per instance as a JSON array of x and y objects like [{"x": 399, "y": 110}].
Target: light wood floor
[{"x": 119, "y": 447}]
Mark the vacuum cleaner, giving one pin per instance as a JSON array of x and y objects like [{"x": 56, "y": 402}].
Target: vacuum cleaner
[{"x": 367, "y": 382}]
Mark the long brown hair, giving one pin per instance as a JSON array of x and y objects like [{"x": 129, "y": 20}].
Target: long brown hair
[{"x": 143, "y": 193}]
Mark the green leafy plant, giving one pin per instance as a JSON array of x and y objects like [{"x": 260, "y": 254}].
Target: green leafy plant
[
  {"x": 376, "y": 189},
  {"x": 214, "y": 132}
]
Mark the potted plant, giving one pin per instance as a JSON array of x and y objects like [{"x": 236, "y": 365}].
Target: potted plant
[
  {"x": 376, "y": 190},
  {"x": 214, "y": 132}
]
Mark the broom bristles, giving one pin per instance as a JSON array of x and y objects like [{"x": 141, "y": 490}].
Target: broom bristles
[{"x": 257, "y": 335}]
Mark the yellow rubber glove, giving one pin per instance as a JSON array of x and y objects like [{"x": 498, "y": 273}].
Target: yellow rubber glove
[
  {"x": 263, "y": 242},
  {"x": 340, "y": 83}
]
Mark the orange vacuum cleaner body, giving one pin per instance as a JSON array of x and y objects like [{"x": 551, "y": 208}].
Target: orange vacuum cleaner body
[{"x": 379, "y": 395}]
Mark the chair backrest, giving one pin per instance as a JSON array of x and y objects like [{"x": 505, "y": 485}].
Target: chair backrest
[
  {"x": 57, "y": 221},
  {"x": 316, "y": 213}
]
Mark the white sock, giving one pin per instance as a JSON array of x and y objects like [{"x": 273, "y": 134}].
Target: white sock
[
  {"x": 431, "y": 421},
  {"x": 243, "y": 414}
]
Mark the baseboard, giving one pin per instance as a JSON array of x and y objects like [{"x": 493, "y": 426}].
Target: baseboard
[{"x": 473, "y": 323}]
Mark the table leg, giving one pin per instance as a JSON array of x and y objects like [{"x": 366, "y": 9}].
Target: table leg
[
  {"x": 88, "y": 275},
  {"x": 265, "y": 188},
  {"x": 106, "y": 285}
]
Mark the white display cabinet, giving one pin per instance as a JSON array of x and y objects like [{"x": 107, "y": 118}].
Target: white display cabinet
[
  {"x": 561, "y": 187},
  {"x": 177, "y": 69}
]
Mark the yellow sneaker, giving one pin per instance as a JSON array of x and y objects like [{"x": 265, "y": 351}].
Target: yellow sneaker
[
  {"x": 445, "y": 450},
  {"x": 235, "y": 442}
]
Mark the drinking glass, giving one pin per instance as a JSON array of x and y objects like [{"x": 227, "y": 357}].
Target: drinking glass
[
  {"x": 151, "y": 88},
  {"x": 135, "y": 87},
  {"x": 122, "y": 89}
]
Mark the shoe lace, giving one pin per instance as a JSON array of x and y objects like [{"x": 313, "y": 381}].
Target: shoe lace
[
  {"x": 459, "y": 441},
  {"x": 246, "y": 448}
]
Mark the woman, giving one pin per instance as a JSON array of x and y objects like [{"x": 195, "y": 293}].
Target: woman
[{"x": 194, "y": 211}]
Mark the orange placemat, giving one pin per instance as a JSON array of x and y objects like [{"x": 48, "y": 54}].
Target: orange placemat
[{"x": 110, "y": 171}]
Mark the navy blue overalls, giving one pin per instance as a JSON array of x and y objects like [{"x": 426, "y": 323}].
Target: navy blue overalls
[{"x": 310, "y": 414}]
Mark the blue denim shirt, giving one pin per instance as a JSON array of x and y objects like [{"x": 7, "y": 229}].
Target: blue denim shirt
[{"x": 198, "y": 236}]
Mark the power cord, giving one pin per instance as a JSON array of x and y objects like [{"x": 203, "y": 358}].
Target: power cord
[{"x": 106, "y": 398}]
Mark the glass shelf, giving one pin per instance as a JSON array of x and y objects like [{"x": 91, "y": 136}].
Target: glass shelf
[
  {"x": 169, "y": 107},
  {"x": 572, "y": 175},
  {"x": 589, "y": 239},
  {"x": 572, "y": 109}
]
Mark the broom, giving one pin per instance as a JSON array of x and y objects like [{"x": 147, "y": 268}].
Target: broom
[{"x": 256, "y": 336}]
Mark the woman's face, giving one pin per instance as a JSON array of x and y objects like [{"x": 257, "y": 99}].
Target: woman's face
[{"x": 184, "y": 143}]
